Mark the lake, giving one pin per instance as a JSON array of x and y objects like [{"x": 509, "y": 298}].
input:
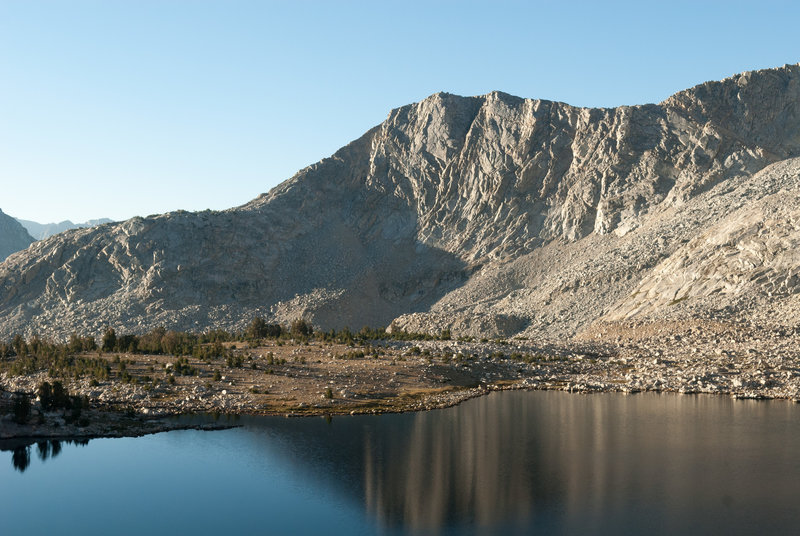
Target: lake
[{"x": 508, "y": 463}]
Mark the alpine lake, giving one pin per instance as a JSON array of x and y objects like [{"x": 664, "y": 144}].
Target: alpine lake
[{"x": 515, "y": 462}]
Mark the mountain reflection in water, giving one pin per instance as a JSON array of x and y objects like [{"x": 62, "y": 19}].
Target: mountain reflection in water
[
  {"x": 522, "y": 460},
  {"x": 481, "y": 465},
  {"x": 507, "y": 463},
  {"x": 551, "y": 461}
]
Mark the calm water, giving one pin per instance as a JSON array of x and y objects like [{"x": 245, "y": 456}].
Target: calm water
[{"x": 509, "y": 463}]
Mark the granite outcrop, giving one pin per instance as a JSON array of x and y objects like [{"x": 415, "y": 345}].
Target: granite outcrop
[{"x": 490, "y": 215}]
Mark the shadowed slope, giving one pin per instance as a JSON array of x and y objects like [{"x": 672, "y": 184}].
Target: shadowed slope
[{"x": 13, "y": 236}]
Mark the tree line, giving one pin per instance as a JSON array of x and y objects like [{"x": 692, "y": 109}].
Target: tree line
[{"x": 76, "y": 357}]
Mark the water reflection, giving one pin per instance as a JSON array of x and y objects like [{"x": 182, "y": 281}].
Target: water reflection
[
  {"x": 555, "y": 462},
  {"x": 21, "y": 458},
  {"x": 525, "y": 460},
  {"x": 480, "y": 466},
  {"x": 510, "y": 463},
  {"x": 45, "y": 449}
]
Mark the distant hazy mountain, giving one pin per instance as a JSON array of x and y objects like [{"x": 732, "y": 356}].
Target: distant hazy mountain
[
  {"x": 13, "y": 236},
  {"x": 40, "y": 231},
  {"x": 489, "y": 215}
]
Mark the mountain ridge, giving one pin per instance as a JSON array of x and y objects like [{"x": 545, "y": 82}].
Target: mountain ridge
[
  {"x": 421, "y": 220},
  {"x": 40, "y": 231},
  {"x": 13, "y": 236}
]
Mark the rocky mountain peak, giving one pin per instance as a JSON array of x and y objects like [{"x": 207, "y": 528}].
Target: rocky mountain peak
[{"x": 483, "y": 214}]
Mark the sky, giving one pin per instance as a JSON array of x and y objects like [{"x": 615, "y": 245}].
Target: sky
[{"x": 120, "y": 108}]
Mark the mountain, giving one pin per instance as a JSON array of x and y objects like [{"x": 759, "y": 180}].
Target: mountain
[
  {"x": 40, "y": 231},
  {"x": 489, "y": 215},
  {"x": 13, "y": 236}
]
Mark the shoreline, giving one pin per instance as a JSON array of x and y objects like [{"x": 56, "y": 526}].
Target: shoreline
[
  {"x": 111, "y": 424},
  {"x": 296, "y": 379}
]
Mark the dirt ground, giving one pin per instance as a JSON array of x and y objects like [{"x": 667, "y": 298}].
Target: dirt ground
[{"x": 294, "y": 378}]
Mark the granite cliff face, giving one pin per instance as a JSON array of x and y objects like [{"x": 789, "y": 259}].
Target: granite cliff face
[
  {"x": 487, "y": 215},
  {"x": 13, "y": 236}
]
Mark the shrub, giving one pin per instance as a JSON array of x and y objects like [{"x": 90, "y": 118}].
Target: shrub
[
  {"x": 19, "y": 345},
  {"x": 301, "y": 328},
  {"x": 181, "y": 367},
  {"x": 109, "y": 340},
  {"x": 22, "y": 409},
  {"x": 353, "y": 354},
  {"x": 235, "y": 361},
  {"x": 45, "y": 392},
  {"x": 74, "y": 345},
  {"x": 60, "y": 396},
  {"x": 77, "y": 404},
  {"x": 54, "y": 396}
]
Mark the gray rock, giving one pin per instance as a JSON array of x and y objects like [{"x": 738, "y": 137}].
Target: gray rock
[
  {"x": 13, "y": 236},
  {"x": 41, "y": 231},
  {"x": 489, "y": 215}
]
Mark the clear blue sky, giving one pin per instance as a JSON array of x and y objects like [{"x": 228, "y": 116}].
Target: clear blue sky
[{"x": 119, "y": 108}]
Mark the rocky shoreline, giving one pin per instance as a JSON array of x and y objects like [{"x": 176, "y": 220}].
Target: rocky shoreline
[
  {"x": 103, "y": 425},
  {"x": 303, "y": 379}
]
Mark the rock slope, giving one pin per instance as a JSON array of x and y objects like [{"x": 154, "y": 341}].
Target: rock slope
[
  {"x": 486, "y": 215},
  {"x": 13, "y": 236}
]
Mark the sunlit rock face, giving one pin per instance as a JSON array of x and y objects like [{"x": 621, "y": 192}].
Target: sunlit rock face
[{"x": 489, "y": 215}]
